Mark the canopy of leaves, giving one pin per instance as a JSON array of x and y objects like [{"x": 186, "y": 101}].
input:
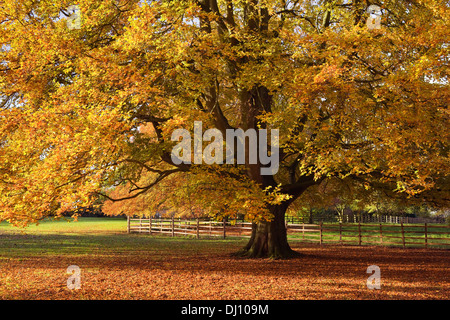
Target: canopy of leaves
[{"x": 348, "y": 101}]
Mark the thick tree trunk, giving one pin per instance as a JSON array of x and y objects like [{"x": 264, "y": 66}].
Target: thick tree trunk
[{"x": 269, "y": 238}]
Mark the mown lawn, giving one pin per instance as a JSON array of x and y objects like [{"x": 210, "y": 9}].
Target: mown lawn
[
  {"x": 117, "y": 265},
  {"x": 437, "y": 236}
]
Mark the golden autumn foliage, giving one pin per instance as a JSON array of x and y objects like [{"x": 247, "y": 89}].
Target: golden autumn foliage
[{"x": 89, "y": 109}]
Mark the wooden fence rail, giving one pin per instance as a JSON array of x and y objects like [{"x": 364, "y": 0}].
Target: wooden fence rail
[
  {"x": 355, "y": 218},
  {"x": 404, "y": 235}
]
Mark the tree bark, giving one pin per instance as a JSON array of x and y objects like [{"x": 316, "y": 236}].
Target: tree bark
[
  {"x": 269, "y": 238},
  {"x": 310, "y": 220}
]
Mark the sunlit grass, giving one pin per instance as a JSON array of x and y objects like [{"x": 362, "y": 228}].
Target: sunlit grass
[
  {"x": 70, "y": 225},
  {"x": 89, "y": 236}
]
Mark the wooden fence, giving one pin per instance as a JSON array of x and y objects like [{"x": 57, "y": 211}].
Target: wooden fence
[
  {"x": 189, "y": 227},
  {"x": 404, "y": 235},
  {"x": 354, "y": 218}
]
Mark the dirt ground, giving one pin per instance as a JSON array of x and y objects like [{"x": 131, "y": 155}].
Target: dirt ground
[{"x": 322, "y": 272}]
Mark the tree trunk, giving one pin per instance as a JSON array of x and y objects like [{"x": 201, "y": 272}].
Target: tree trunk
[{"x": 269, "y": 238}]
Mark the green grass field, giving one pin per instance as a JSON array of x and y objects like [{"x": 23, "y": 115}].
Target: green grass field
[
  {"x": 68, "y": 225},
  {"x": 88, "y": 235},
  {"x": 91, "y": 232},
  {"x": 438, "y": 236}
]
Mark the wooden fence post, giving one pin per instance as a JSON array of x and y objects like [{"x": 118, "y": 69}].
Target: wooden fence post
[
  {"x": 321, "y": 240},
  {"x": 381, "y": 233},
  {"x": 173, "y": 226},
  {"x": 359, "y": 233},
  {"x": 426, "y": 236},
  {"x": 403, "y": 234},
  {"x": 128, "y": 224},
  {"x": 198, "y": 228},
  {"x": 224, "y": 228},
  {"x": 150, "y": 224}
]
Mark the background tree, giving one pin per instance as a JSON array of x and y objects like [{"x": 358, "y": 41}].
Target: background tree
[
  {"x": 349, "y": 102},
  {"x": 314, "y": 201}
]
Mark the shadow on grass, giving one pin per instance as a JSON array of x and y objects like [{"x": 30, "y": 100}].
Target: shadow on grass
[{"x": 146, "y": 252}]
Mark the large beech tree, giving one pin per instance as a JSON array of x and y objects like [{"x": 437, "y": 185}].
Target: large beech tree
[{"x": 87, "y": 109}]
